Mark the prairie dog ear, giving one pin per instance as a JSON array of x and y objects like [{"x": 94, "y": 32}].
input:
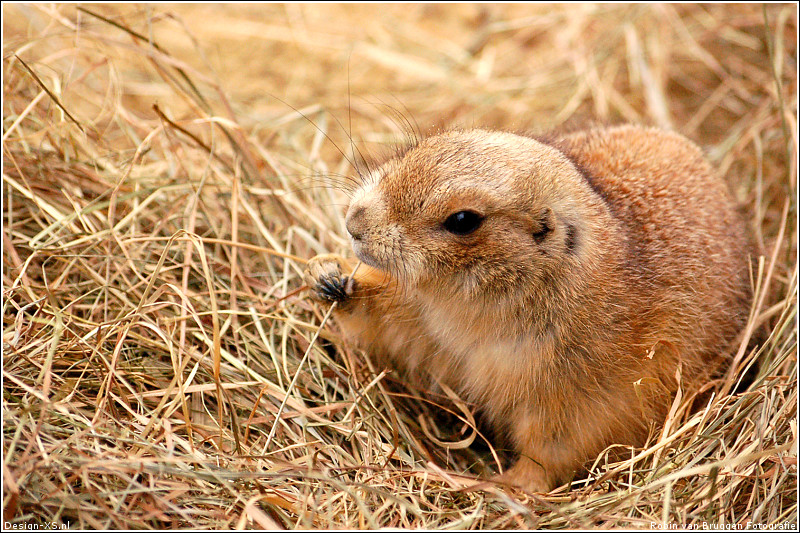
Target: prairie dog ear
[{"x": 543, "y": 225}]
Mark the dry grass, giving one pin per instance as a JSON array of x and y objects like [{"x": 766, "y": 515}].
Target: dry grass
[{"x": 159, "y": 199}]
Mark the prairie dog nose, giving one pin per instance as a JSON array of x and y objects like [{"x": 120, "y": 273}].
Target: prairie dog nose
[{"x": 355, "y": 222}]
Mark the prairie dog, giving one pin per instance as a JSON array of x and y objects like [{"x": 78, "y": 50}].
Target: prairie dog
[{"x": 557, "y": 284}]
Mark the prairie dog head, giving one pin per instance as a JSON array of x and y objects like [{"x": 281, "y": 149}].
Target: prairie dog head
[{"x": 472, "y": 211}]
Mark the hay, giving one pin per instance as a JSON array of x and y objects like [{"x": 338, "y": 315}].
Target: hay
[{"x": 165, "y": 172}]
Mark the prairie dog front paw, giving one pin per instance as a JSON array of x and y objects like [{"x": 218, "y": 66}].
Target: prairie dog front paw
[{"x": 325, "y": 276}]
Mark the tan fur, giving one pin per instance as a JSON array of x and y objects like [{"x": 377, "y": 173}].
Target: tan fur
[{"x": 605, "y": 258}]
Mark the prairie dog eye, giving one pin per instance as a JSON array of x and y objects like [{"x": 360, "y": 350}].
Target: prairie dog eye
[{"x": 463, "y": 222}]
